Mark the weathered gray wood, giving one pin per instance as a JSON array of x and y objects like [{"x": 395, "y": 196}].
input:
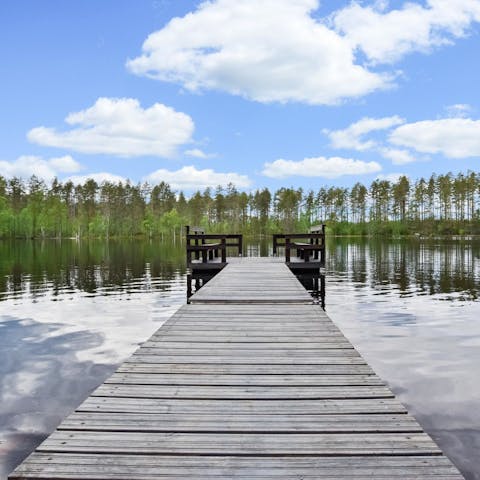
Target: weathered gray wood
[
  {"x": 242, "y": 407},
  {"x": 247, "y": 285},
  {"x": 254, "y": 329},
  {"x": 147, "y": 467},
  {"x": 233, "y": 346},
  {"x": 247, "y": 350},
  {"x": 211, "y": 337},
  {"x": 250, "y": 381},
  {"x": 239, "y": 380},
  {"x": 252, "y": 360},
  {"x": 241, "y": 444},
  {"x": 286, "y": 423},
  {"x": 244, "y": 392},
  {"x": 239, "y": 369}
]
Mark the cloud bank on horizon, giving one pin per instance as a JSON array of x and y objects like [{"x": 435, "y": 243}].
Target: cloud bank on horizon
[{"x": 271, "y": 56}]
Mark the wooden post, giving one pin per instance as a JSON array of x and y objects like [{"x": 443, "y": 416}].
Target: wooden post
[
  {"x": 240, "y": 245},
  {"x": 197, "y": 252},
  {"x": 287, "y": 249},
  {"x": 189, "y": 253},
  {"x": 322, "y": 291},
  {"x": 189, "y": 286},
  {"x": 224, "y": 251}
]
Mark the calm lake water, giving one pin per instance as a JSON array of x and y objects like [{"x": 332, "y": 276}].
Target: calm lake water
[{"x": 71, "y": 312}]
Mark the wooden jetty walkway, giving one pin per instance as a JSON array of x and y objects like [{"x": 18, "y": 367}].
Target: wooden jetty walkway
[{"x": 248, "y": 381}]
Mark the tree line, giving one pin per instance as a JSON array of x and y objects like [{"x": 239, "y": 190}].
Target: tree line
[{"x": 441, "y": 204}]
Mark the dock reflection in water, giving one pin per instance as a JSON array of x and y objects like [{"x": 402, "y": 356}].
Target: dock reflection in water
[{"x": 315, "y": 284}]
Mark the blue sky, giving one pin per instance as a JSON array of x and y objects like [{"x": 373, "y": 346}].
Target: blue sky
[{"x": 271, "y": 93}]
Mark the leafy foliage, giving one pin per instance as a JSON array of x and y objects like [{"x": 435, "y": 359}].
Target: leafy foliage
[{"x": 443, "y": 204}]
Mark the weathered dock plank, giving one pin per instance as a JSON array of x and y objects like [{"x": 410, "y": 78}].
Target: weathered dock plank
[
  {"x": 241, "y": 380},
  {"x": 241, "y": 393},
  {"x": 249, "y": 381},
  {"x": 246, "y": 369},
  {"x": 242, "y": 407},
  {"x": 245, "y": 423},
  {"x": 251, "y": 283},
  {"x": 147, "y": 467},
  {"x": 240, "y": 444}
]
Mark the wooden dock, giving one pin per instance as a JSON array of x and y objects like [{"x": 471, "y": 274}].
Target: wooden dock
[{"x": 249, "y": 381}]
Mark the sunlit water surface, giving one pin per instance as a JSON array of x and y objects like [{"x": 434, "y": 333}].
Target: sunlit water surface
[{"x": 71, "y": 312}]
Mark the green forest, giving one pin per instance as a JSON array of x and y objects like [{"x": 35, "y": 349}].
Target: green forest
[{"x": 440, "y": 205}]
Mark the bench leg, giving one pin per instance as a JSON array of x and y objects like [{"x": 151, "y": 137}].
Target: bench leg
[{"x": 224, "y": 251}]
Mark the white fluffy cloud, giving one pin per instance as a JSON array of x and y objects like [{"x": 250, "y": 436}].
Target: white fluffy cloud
[
  {"x": 390, "y": 177},
  {"x": 28, "y": 165},
  {"x": 189, "y": 178},
  {"x": 351, "y": 137},
  {"x": 459, "y": 110},
  {"x": 120, "y": 126},
  {"x": 65, "y": 164},
  {"x": 386, "y": 36},
  {"x": 98, "y": 177},
  {"x": 319, "y": 167},
  {"x": 397, "y": 156},
  {"x": 452, "y": 137},
  {"x": 281, "y": 51},
  {"x": 267, "y": 50},
  {"x": 197, "y": 153}
]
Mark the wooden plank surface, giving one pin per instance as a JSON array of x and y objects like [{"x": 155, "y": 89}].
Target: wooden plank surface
[
  {"x": 250, "y": 381},
  {"x": 147, "y": 467},
  {"x": 245, "y": 423},
  {"x": 245, "y": 369},
  {"x": 271, "y": 380},
  {"x": 240, "y": 444},
  {"x": 242, "y": 407},
  {"x": 252, "y": 283},
  {"x": 241, "y": 393}
]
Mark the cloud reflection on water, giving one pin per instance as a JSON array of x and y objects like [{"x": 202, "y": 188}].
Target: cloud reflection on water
[
  {"x": 61, "y": 336},
  {"x": 425, "y": 346}
]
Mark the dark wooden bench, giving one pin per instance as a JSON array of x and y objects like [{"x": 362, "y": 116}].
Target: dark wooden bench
[
  {"x": 197, "y": 244},
  {"x": 306, "y": 244},
  {"x": 304, "y": 250},
  {"x": 208, "y": 251}
]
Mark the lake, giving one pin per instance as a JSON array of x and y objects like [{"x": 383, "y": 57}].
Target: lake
[{"x": 71, "y": 311}]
